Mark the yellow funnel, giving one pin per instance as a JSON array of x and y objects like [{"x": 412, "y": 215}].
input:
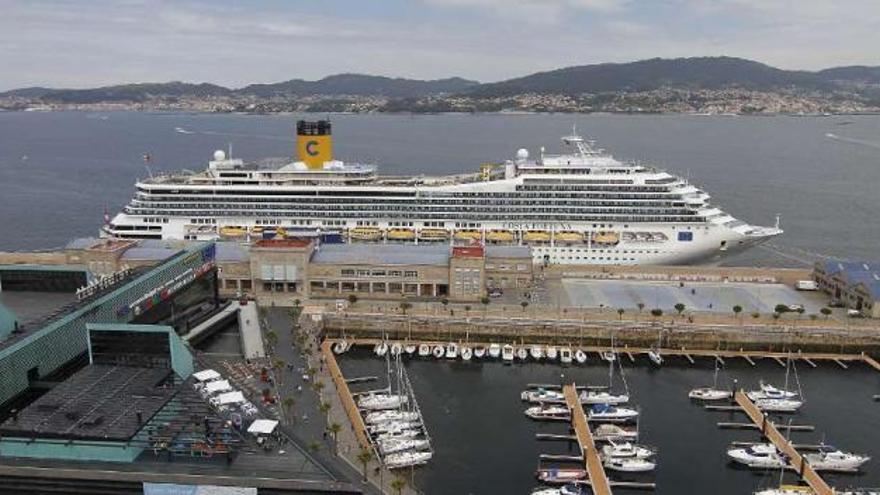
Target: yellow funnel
[{"x": 314, "y": 143}]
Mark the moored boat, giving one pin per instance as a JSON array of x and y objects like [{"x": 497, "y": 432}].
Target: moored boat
[
  {"x": 607, "y": 412},
  {"x": 829, "y": 458},
  {"x": 494, "y": 350},
  {"x": 560, "y": 475},
  {"x": 580, "y": 356},
  {"x": 549, "y": 412},
  {"x": 629, "y": 464},
  {"x": 406, "y": 459},
  {"x": 758, "y": 456},
  {"x": 507, "y": 352},
  {"x": 466, "y": 353},
  {"x": 424, "y": 350}
]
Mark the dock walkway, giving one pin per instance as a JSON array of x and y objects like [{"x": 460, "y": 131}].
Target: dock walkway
[
  {"x": 598, "y": 479},
  {"x": 351, "y": 410},
  {"x": 819, "y": 486}
]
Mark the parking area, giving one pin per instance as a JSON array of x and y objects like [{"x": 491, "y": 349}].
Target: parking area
[{"x": 696, "y": 296}]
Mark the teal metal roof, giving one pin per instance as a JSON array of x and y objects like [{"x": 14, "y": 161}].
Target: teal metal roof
[
  {"x": 44, "y": 268},
  {"x": 7, "y": 321}
]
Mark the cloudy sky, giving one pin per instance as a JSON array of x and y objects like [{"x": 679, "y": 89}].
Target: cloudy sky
[{"x": 82, "y": 43}]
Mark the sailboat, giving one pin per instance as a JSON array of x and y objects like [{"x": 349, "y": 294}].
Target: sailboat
[
  {"x": 654, "y": 352},
  {"x": 711, "y": 393},
  {"x": 593, "y": 396},
  {"x": 771, "y": 399}
]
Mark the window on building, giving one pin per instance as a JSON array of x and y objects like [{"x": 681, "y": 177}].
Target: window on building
[
  {"x": 347, "y": 273},
  {"x": 411, "y": 274}
]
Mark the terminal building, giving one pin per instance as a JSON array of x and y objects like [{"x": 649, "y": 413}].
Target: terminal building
[{"x": 855, "y": 284}]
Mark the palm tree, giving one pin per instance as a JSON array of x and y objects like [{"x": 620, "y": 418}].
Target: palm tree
[
  {"x": 656, "y": 313},
  {"x": 364, "y": 457},
  {"x": 524, "y": 305},
  {"x": 756, "y": 315},
  {"x": 485, "y": 302},
  {"x": 737, "y": 309},
  {"x": 272, "y": 338},
  {"x": 314, "y": 446},
  {"x": 318, "y": 386},
  {"x": 679, "y": 307},
  {"x": 444, "y": 302},
  {"x": 288, "y": 404},
  {"x": 334, "y": 430},
  {"x": 641, "y": 306},
  {"x": 352, "y": 298},
  {"x": 325, "y": 409},
  {"x": 398, "y": 484},
  {"x": 620, "y": 312},
  {"x": 826, "y": 312},
  {"x": 405, "y": 305}
]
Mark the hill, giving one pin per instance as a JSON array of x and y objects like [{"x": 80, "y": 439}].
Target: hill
[{"x": 359, "y": 84}]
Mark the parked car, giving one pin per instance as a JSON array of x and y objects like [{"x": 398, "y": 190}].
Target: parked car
[
  {"x": 836, "y": 303},
  {"x": 853, "y": 313},
  {"x": 496, "y": 292}
]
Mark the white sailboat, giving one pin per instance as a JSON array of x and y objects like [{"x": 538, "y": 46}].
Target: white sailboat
[
  {"x": 710, "y": 393},
  {"x": 580, "y": 356},
  {"x": 536, "y": 351},
  {"x": 551, "y": 353},
  {"x": 424, "y": 350},
  {"x": 829, "y": 458},
  {"x": 479, "y": 352},
  {"x": 439, "y": 351},
  {"x": 466, "y": 353},
  {"x": 451, "y": 350},
  {"x": 381, "y": 348},
  {"x": 522, "y": 353},
  {"x": 565, "y": 355},
  {"x": 763, "y": 455},
  {"x": 507, "y": 353},
  {"x": 494, "y": 350}
]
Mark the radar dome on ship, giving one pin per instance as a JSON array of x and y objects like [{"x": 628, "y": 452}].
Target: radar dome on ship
[
  {"x": 522, "y": 154},
  {"x": 219, "y": 155}
]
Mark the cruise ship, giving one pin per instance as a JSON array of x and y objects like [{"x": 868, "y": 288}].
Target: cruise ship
[{"x": 579, "y": 207}]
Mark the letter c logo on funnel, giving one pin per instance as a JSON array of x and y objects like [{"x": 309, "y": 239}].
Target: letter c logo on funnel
[{"x": 310, "y": 148}]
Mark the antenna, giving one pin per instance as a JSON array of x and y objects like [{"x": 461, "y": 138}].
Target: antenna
[
  {"x": 229, "y": 153},
  {"x": 778, "y": 216},
  {"x": 149, "y": 172}
]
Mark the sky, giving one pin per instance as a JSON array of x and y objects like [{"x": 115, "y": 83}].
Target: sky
[{"x": 88, "y": 43}]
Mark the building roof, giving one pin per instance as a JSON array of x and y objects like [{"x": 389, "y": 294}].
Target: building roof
[
  {"x": 23, "y": 267},
  {"x": 382, "y": 254},
  {"x": 283, "y": 243},
  {"x": 7, "y": 320},
  {"x": 148, "y": 253},
  {"x": 854, "y": 272},
  {"x": 230, "y": 251},
  {"x": 467, "y": 252},
  {"x": 493, "y": 251}
]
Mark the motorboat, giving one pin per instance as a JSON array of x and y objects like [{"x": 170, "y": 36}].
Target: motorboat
[
  {"x": 580, "y": 356},
  {"x": 340, "y": 346},
  {"x": 479, "y": 351},
  {"x": 396, "y": 349},
  {"x": 551, "y": 352},
  {"x": 381, "y": 348},
  {"x": 409, "y": 349},
  {"x": 381, "y": 401},
  {"x": 550, "y": 412},
  {"x": 393, "y": 427},
  {"x": 629, "y": 464},
  {"x": 762, "y": 455},
  {"x": 767, "y": 391},
  {"x": 570, "y": 489},
  {"x": 451, "y": 350},
  {"x": 406, "y": 459},
  {"x": 607, "y": 412},
  {"x": 507, "y": 353},
  {"x": 398, "y": 434},
  {"x": 602, "y": 397},
  {"x": 709, "y": 394},
  {"x": 392, "y": 445},
  {"x": 626, "y": 449},
  {"x": 829, "y": 458},
  {"x": 439, "y": 351},
  {"x": 788, "y": 490},
  {"x": 494, "y": 350},
  {"x": 390, "y": 415},
  {"x": 565, "y": 355},
  {"x": 655, "y": 357},
  {"x": 522, "y": 353},
  {"x": 466, "y": 353},
  {"x": 607, "y": 432},
  {"x": 609, "y": 356},
  {"x": 536, "y": 351},
  {"x": 779, "y": 405},
  {"x": 544, "y": 396},
  {"x": 424, "y": 350},
  {"x": 560, "y": 475}
]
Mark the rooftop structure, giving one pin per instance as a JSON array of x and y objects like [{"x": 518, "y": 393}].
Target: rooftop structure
[
  {"x": 395, "y": 254},
  {"x": 853, "y": 283}
]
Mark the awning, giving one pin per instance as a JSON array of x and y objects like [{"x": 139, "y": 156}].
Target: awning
[
  {"x": 231, "y": 398},
  {"x": 218, "y": 386},
  {"x": 262, "y": 427},
  {"x": 206, "y": 375}
]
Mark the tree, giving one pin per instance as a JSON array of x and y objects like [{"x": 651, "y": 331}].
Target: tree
[
  {"x": 756, "y": 315},
  {"x": 524, "y": 305},
  {"x": 445, "y": 303},
  {"x": 325, "y": 409},
  {"x": 405, "y": 305},
  {"x": 288, "y": 404},
  {"x": 641, "y": 306},
  {"x": 826, "y": 312},
  {"x": 398, "y": 484},
  {"x": 780, "y": 308},
  {"x": 656, "y": 313},
  {"x": 678, "y": 307},
  {"x": 620, "y": 312},
  {"x": 272, "y": 338},
  {"x": 364, "y": 457},
  {"x": 314, "y": 446},
  {"x": 334, "y": 429},
  {"x": 352, "y": 298},
  {"x": 318, "y": 386},
  {"x": 776, "y": 315},
  {"x": 800, "y": 310}
]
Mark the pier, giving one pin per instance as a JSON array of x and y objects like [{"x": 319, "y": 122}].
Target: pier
[
  {"x": 769, "y": 430},
  {"x": 596, "y": 471},
  {"x": 351, "y": 410}
]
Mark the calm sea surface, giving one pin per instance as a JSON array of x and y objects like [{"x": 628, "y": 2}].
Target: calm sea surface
[
  {"x": 485, "y": 445},
  {"x": 59, "y": 170}
]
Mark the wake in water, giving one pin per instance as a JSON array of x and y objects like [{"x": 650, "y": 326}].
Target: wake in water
[
  {"x": 181, "y": 130},
  {"x": 860, "y": 142},
  {"x": 796, "y": 254}
]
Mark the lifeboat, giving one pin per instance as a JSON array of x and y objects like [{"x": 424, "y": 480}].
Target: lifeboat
[
  {"x": 607, "y": 238},
  {"x": 365, "y": 233},
  {"x": 500, "y": 236},
  {"x": 536, "y": 236},
  {"x": 401, "y": 235},
  {"x": 280, "y": 232},
  {"x": 256, "y": 230},
  {"x": 468, "y": 235},
  {"x": 233, "y": 231},
  {"x": 569, "y": 236},
  {"x": 433, "y": 234}
]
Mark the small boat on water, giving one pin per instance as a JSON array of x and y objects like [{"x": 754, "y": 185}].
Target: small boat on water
[
  {"x": 479, "y": 351},
  {"x": 439, "y": 351},
  {"x": 607, "y": 412},
  {"x": 762, "y": 455},
  {"x": 830, "y": 458},
  {"x": 609, "y": 356},
  {"x": 602, "y": 397},
  {"x": 580, "y": 356},
  {"x": 406, "y": 459},
  {"x": 626, "y": 449},
  {"x": 549, "y": 412},
  {"x": 565, "y": 355},
  {"x": 536, "y": 351},
  {"x": 507, "y": 353},
  {"x": 788, "y": 490},
  {"x": 779, "y": 405},
  {"x": 709, "y": 394},
  {"x": 494, "y": 350},
  {"x": 393, "y": 445},
  {"x": 410, "y": 349},
  {"x": 544, "y": 396},
  {"x": 390, "y": 415},
  {"x": 655, "y": 357},
  {"x": 767, "y": 391},
  {"x": 571, "y": 489},
  {"x": 381, "y": 348},
  {"x": 551, "y": 353},
  {"x": 380, "y": 401},
  {"x": 424, "y": 350},
  {"x": 451, "y": 350},
  {"x": 560, "y": 475},
  {"x": 629, "y": 464},
  {"x": 398, "y": 434},
  {"x": 522, "y": 353},
  {"x": 396, "y": 349},
  {"x": 607, "y": 432},
  {"x": 340, "y": 346},
  {"x": 393, "y": 427},
  {"x": 466, "y": 353}
]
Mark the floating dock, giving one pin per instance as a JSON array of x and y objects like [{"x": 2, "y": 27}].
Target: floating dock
[
  {"x": 769, "y": 430},
  {"x": 598, "y": 479},
  {"x": 351, "y": 410}
]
